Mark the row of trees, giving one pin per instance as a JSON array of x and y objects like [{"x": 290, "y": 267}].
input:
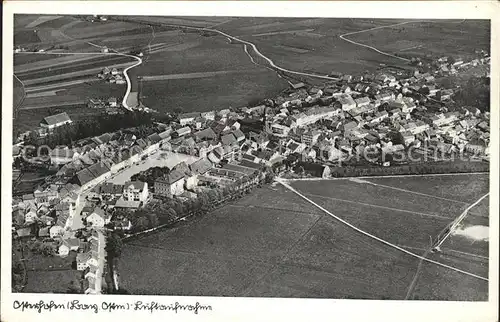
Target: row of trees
[
  {"x": 93, "y": 126},
  {"x": 150, "y": 175},
  {"x": 424, "y": 168},
  {"x": 168, "y": 210},
  {"x": 475, "y": 92},
  {"x": 42, "y": 248}
]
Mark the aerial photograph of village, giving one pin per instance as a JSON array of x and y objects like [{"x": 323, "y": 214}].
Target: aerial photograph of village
[{"x": 251, "y": 157}]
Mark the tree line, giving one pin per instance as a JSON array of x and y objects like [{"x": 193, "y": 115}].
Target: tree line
[
  {"x": 94, "y": 126},
  {"x": 167, "y": 210},
  {"x": 424, "y": 168}
]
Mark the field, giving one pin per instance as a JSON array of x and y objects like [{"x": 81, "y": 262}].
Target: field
[
  {"x": 18, "y": 93},
  {"x": 228, "y": 76},
  {"x": 27, "y": 183},
  {"x": 463, "y": 37},
  {"x": 272, "y": 243}
]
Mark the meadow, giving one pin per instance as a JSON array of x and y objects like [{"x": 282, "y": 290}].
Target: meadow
[
  {"x": 450, "y": 37},
  {"x": 272, "y": 243}
]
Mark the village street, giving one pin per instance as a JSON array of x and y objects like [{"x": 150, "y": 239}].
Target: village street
[{"x": 101, "y": 259}]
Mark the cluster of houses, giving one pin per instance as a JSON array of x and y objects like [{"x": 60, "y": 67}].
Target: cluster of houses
[
  {"x": 111, "y": 102},
  {"x": 342, "y": 118},
  {"x": 444, "y": 66},
  {"x": 112, "y": 75}
]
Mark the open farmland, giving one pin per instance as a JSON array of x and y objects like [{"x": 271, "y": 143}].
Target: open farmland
[
  {"x": 73, "y": 94},
  {"x": 198, "y": 71},
  {"x": 451, "y": 37},
  {"x": 90, "y": 64},
  {"x": 23, "y": 61},
  {"x": 196, "y": 83},
  {"x": 213, "y": 93},
  {"x": 53, "y": 281},
  {"x": 28, "y": 119},
  {"x": 272, "y": 243},
  {"x": 18, "y": 93}
]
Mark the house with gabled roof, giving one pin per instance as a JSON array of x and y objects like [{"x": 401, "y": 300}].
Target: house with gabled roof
[
  {"x": 362, "y": 101},
  {"x": 56, "y": 120},
  {"x": 216, "y": 155},
  {"x": 229, "y": 139},
  {"x": 206, "y": 134},
  {"x": 84, "y": 178},
  {"x": 172, "y": 184},
  {"x": 136, "y": 191},
  {"x": 111, "y": 190},
  {"x": 98, "y": 217},
  {"x": 200, "y": 166},
  {"x": 188, "y": 118},
  {"x": 86, "y": 260},
  {"x": 240, "y": 136},
  {"x": 67, "y": 245},
  {"x": 183, "y": 131}
]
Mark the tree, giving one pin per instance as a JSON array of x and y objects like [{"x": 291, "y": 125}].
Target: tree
[
  {"x": 36, "y": 246},
  {"x": 424, "y": 90},
  {"x": 396, "y": 137},
  {"x": 114, "y": 245},
  {"x": 153, "y": 220},
  {"x": 47, "y": 249},
  {"x": 141, "y": 223},
  {"x": 172, "y": 214},
  {"x": 73, "y": 288},
  {"x": 177, "y": 110}
]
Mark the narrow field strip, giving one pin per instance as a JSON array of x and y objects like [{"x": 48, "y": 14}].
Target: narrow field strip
[
  {"x": 380, "y": 207},
  {"x": 464, "y": 253},
  {"x": 286, "y": 185},
  {"x": 415, "y": 192},
  {"x": 61, "y": 84},
  {"x": 447, "y": 252},
  {"x": 194, "y": 75},
  {"x": 391, "y": 176},
  {"x": 281, "y": 32},
  {"x": 270, "y": 208},
  {"x": 21, "y": 101}
]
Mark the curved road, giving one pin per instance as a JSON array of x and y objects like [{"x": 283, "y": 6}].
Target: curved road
[
  {"x": 270, "y": 62},
  {"x": 127, "y": 78}
]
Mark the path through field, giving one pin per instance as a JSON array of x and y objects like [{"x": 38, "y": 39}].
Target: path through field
[
  {"x": 343, "y": 37},
  {"x": 286, "y": 185},
  {"x": 255, "y": 49}
]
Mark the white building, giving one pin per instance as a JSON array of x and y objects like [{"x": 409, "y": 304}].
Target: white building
[
  {"x": 98, "y": 218},
  {"x": 136, "y": 191}
]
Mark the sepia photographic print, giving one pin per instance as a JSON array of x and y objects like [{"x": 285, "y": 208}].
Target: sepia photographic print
[{"x": 247, "y": 156}]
